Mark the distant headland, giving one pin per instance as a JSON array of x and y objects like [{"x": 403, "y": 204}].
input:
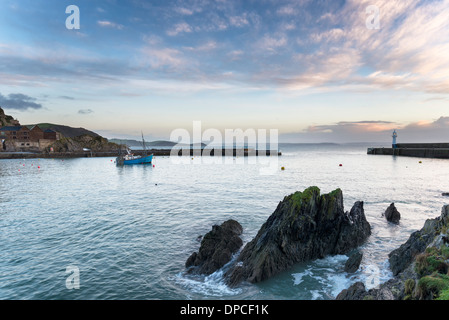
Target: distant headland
[{"x": 48, "y": 140}]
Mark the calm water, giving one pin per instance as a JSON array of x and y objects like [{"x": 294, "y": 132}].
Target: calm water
[{"x": 130, "y": 230}]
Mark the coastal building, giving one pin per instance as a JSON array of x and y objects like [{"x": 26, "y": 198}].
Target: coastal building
[{"x": 25, "y": 138}]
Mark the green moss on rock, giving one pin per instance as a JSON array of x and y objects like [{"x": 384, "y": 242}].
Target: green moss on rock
[
  {"x": 444, "y": 295},
  {"x": 300, "y": 198},
  {"x": 431, "y": 287},
  {"x": 409, "y": 286},
  {"x": 432, "y": 260}
]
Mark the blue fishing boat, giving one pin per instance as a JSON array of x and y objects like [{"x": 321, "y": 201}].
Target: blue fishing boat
[{"x": 130, "y": 158}]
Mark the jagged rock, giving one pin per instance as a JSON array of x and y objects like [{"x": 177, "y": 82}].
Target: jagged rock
[
  {"x": 77, "y": 144},
  {"x": 353, "y": 263},
  {"x": 356, "y": 291},
  {"x": 7, "y": 120},
  {"x": 217, "y": 248},
  {"x": 383, "y": 293},
  {"x": 401, "y": 257},
  {"x": 404, "y": 264},
  {"x": 392, "y": 214},
  {"x": 305, "y": 226}
]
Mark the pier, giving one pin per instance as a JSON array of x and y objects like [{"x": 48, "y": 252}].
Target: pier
[
  {"x": 419, "y": 150},
  {"x": 155, "y": 152}
]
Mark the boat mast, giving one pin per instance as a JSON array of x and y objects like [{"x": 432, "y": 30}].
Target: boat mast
[{"x": 143, "y": 143}]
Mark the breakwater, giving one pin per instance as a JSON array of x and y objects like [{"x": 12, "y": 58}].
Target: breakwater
[
  {"x": 155, "y": 152},
  {"x": 420, "y": 150}
]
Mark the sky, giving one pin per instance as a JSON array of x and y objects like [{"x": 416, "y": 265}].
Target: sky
[{"x": 318, "y": 71}]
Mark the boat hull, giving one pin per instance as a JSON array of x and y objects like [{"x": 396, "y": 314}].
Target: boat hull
[{"x": 142, "y": 160}]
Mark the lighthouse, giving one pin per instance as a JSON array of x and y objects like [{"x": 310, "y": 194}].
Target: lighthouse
[{"x": 395, "y": 135}]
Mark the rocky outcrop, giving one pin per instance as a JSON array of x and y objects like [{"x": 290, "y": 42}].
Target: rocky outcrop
[
  {"x": 392, "y": 214},
  {"x": 401, "y": 257},
  {"x": 357, "y": 291},
  {"x": 353, "y": 263},
  {"x": 217, "y": 248},
  {"x": 6, "y": 120},
  {"x": 77, "y": 144},
  {"x": 420, "y": 267},
  {"x": 305, "y": 226}
]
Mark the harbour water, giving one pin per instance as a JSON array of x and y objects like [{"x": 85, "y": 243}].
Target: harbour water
[{"x": 129, "y": 230}]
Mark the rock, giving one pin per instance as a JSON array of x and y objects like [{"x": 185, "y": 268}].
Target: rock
[
  {"x": 445, "y": 194},
  {"x": 6, "y": 120},
  {"x": 409, "y": 282},
  {"x": 217, "y": 248},
  {"x": 443, "y": 219},
  {"x": 417, "y": 242},
  {"x": 353, "y": 263},
  {"x": 392, "y": 214},
  {"x": 400, "y": 258},
  {"x": 356, "y": 291},
  {"x": 305, "y": 226},
  {"x": 79, "y": 143},
  {"x": 384, "y": 293}
]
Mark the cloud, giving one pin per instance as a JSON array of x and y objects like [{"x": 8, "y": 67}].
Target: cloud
[
  {"x": 323, "y": 69},
  {"x": 207, "y": 46},
  {"x": 420, "y": 131},
  {"x": 235, "y": 55},
  {"x": 373, "y": 131},
  {"x": 66, "y": 97},
  {"x": 109, "y": 24},
  {"x": 179, "y": 28},
  {"x": 19, "y": 101},
  {"x": 353, "y": 127},
  {"x": 287, "y": 10},
  {"x": 24, "y": 65},
  {"x": 408, "y": 52},
  {"x": 331, "y": 35},
  {"x": 239, "y": 21},
  {"x": 271, "y": 43},
  {"x": 164, "y": 58},
  {"x": 85, "y": 111},
  {"x": 292, "y": 45},
  {"x": 184, "y": 11}
]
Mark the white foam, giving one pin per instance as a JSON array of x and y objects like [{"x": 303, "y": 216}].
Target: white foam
[
  {"x": 212, "y": 285},
  {"x": 298, "y": 277},
  {"x": 328, "y": 275}
]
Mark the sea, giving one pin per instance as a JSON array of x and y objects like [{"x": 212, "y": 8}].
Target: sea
[{"x": 85, "y": 229}]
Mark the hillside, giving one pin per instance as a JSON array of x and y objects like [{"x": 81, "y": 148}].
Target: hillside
[
  {"x": 66, "y": 131},
  {"x": 136, "y": 143},
  {"x": 85, "y": 141}
]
